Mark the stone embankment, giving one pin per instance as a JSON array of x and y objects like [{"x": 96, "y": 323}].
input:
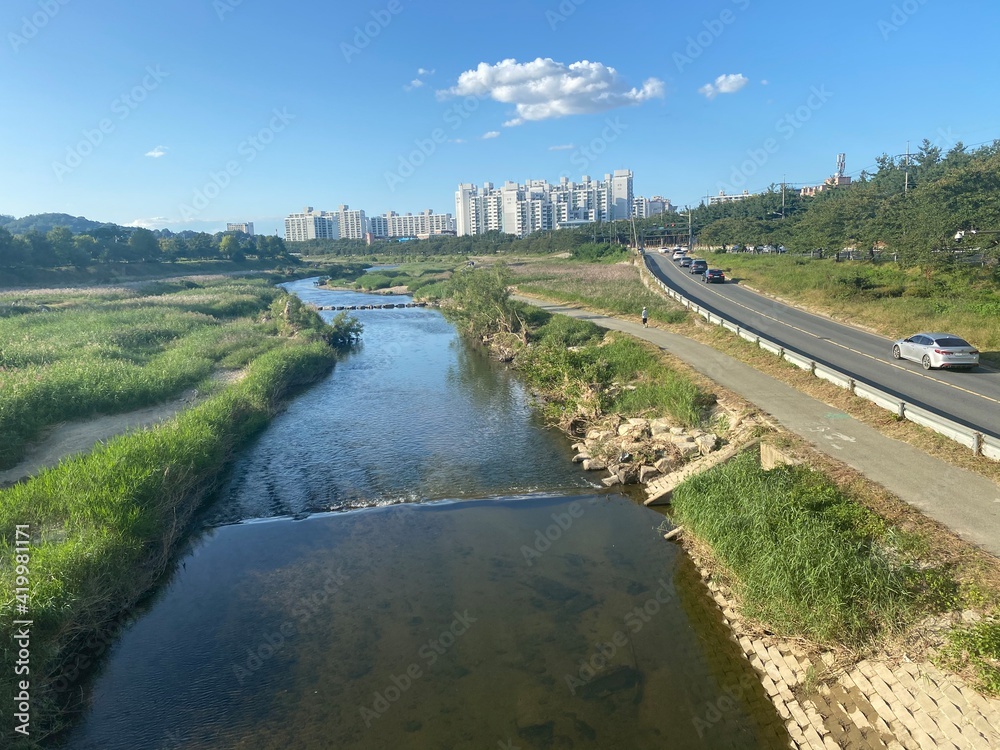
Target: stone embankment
[
  {"x": 387, "y": 306},
  {"x": 659, "y": 453},
  {"x": 829, "y": 701}
]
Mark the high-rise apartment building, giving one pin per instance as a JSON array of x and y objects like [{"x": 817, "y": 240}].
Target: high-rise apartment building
[
  {"x": 311, "y": 225},
  {"x": 353, "y": 224},
  {"x": 245, "y": 227},
  {"x": 644, "y": 208},
  {"x": 539, "y": 206}
]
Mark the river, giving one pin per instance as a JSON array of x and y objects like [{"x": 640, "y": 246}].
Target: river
[{"x": 406, "y": 558}]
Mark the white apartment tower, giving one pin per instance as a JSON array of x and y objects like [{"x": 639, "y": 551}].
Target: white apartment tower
[
  {"x": 246, "y": 227},
  {"x": 353, "y": 224},
  {"x": 311, "y": 225},
  {"x": 539, "y": 206}
]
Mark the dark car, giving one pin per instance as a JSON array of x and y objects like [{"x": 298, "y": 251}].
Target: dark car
[
  {"x": 685, "y": 262},
  {"x": 714, "y": 276},
  {"x": 699, "y": 266}
]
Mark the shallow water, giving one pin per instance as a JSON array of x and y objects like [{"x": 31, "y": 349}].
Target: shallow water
[{"x": 540, "y": 614}]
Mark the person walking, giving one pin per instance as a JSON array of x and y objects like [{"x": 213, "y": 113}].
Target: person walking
[{"x": 645, "y": 318}]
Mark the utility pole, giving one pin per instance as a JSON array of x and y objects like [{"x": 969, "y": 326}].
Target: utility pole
[
  {"x": 690, "y": 234},
  {"x": 782, "y": 196},
  {"x": 906, "y": 184}
]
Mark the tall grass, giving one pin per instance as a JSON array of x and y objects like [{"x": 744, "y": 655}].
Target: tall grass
[
  {"x": 612, "y": 288},
  {"x": 104, "y": 525},
  {"x": 585, "y": 371},
  {"x": 72, "y": 354},
  {"x": 806, "y": 559}
]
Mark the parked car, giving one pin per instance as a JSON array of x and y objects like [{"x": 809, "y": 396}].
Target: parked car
[
  {"x": 685, "y": 262},
  {"x": 699, "y": 266},
  {"x": 679, "y": 254},
  {"x": 714, "y": 276},
  {"x": 933, "y": 350}
]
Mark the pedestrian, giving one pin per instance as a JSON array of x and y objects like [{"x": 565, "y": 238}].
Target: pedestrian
[{"x": 645, "y": 318}]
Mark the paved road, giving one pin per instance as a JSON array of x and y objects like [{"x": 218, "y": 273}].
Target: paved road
[
  {"x": 971, "y": 398},
  {"x": 964, "y": 502}
]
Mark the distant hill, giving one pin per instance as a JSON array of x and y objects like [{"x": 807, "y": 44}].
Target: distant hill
[{"x": 44, "y": 222}]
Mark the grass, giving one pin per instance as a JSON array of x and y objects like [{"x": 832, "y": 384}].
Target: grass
[
  {"x": 978, "y": 647},
  {"x": 883, "y": 297},
  {"x": 68, "y": 355},
  {"x": 615, "y": 288},
  {"x": 806, "y": 558},
  {"x": 586, "y": 372},
  {"x": 103, "y": 526}
]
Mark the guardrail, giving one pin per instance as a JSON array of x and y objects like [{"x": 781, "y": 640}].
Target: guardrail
[{"x": 981, "y": 444}]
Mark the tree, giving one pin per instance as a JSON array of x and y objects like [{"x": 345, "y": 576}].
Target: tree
[{"x": 143, "y": 245}]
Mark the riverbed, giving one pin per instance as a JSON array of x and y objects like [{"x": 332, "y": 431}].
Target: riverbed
[{"x": 406, "y": 558}]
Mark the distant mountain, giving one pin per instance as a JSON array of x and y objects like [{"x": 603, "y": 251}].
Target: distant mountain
[{"x": 44, "y": 222}]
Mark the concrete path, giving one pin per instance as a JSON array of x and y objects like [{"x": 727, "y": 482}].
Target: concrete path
[{"x": 964, "y": 502}]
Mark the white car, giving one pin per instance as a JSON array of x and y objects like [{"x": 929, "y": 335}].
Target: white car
[
  {"x": 937, "y": 350},
  {"x": 679, "y": 254}
]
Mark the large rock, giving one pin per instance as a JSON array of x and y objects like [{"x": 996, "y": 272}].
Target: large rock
[
  {"x": 611, "y": 481},
  {"x": 659, "y": 427},
  {"x": 688, "y": 449},
  {"x": 594, "y": 464},
  {"x": 706, "y": 443},
  {"x": 646, "y": 473},
  {"x": 664, "y": 465},
  {"x": 677, "y": 431},
  {"x": 628, "y": 473},
  {"x": 579, "y": 458}
]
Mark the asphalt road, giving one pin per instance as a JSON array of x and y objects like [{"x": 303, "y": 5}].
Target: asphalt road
[{"x": 971, "y": 398}]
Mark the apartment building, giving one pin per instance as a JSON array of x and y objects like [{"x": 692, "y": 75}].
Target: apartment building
[{"x": 312, "y": 225}]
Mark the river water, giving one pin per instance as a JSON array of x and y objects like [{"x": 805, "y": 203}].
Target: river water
[{"x": 406, "y": 558}]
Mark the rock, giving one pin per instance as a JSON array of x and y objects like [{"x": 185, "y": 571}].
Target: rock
[
  {"x": 706, "y": 443},
  {"x": 664, "y": 465},
  {"x": 628, "y": 474},
  {"x": 611, "y": 481},
  {"x": 646, "y": 473},
  {"x": 659, "y": 427},
  {"x": 579, "y": 458},
  {"x": 688, "y": 449},
  {"x": 594, "y": 464},
  {"x": 674, "y": 533},
  {"x": 638, "y": 422},
  {"x": 579, "y": 447},
  {"x": 677, "y": 431}
]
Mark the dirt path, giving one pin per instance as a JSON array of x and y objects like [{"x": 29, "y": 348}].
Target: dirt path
[{"x": 71, "y": 438}]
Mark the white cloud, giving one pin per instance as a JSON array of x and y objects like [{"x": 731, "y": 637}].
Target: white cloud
[
  {"x": 764, "y": 82},
  {"x": 424, "y": 72},
  {"x": 491, "y": 134},
  {"x": 545, "y": 89},
  {"x": 457, "y": 140},
  {"x": 416, "y": 83},
  {"x": 157, "y": 152},
  {"x": 566, "y": 147},
  {"x": 725, "y": 84}
]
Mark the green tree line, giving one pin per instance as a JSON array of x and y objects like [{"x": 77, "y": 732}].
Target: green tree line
[
  {"x": 909, "y": 207},
  {"x": 60, "y": 247}
]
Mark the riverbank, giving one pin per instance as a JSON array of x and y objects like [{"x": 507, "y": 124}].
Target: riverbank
[
  {"x": 970, "y": 578},
  {"x": 98, "y": 531}
]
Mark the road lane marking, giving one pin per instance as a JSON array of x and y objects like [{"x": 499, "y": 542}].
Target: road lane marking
[{"x": 851, "y": 349}]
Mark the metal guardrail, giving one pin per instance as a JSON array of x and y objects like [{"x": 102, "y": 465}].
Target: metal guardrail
[{"x": 984, "y": 445}]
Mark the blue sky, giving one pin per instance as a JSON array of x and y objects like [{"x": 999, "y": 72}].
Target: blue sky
[{"x": 191, "y": 113}]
